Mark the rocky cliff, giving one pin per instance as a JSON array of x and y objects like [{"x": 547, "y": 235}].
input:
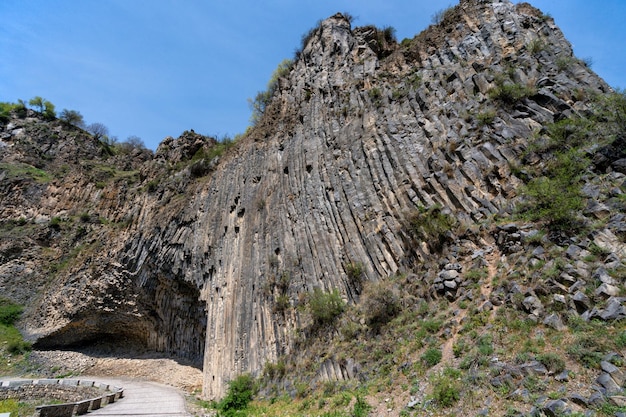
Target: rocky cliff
[{"x": 211, "y": 255}]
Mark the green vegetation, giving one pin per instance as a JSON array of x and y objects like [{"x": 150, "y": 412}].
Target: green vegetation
[
  {"x": 380, "y": 303},
  {"x": 375, "y": 95},
  {"x": 552, "y": 361},
  {"x": 45, "y": 107},
  {"x": 11, "y": 340},
  {"x": 446, "y": 390},
  {"x": 441, "y": 15},
  {"x": 361, "y": 407},
  {"x": 431, "y": 225},
  {"x": 202, "y": 161},
  {"x": 10, "y": 406},
  {"x": 263, "y": 98},
  {"x": 9, "y": 311},
  {"x": 485, "y": 118},
  {"x": 6, "y": 109},
  {"x": 72, "y": 117},
  {"x": 432, "y": 357},
  {"x": 240, "y": 393},
  {"x": 21, "y": 170},
  {"x": 325, "y": 307},
  {"x": 554, "y": 193},
  {"x": 355, "y": 272},
  {"x": 536, "y": 45},
  {"x": 556, "y": 197},
  {"x": 510, "y": 93}
]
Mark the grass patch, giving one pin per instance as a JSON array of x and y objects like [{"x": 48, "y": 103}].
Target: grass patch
[
  {"x": 432, "y": 357},
  {"x": 20, "y": 171}
]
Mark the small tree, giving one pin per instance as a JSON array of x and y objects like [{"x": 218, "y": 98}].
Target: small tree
[
  {"x": 98, "y": 130},
  {"x": 263, "y": 98},
  {"x": 72, "y": 117},
  {"x": 135, "y": 142},
  {"x": 20, "y": 109},
  {"x": 131, "y": 143},
  {"x": 38, "y": 103},
  {"x": 48, "y": 111},
  {"x": 44, "y": 107}
]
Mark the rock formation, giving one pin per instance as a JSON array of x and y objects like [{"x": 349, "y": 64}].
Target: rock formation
[{"x": 190, "y": 255}]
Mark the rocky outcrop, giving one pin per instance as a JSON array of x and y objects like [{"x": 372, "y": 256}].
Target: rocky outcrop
[{"x": 191, "y": 255}]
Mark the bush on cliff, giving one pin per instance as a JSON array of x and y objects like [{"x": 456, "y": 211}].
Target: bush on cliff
[
  {"x": 9, "y": 311},
  {"x": 325, "y": 306},
  {"x": 240, "y": 393}
]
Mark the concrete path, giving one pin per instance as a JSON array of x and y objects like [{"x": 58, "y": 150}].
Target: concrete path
[{"x": 142, "y": 398}]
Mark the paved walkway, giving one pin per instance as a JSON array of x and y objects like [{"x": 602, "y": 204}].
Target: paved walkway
[{"x": 142, "y": 398}]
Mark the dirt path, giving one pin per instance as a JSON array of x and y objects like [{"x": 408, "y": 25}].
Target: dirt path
[{"x": 492, "y": 259}]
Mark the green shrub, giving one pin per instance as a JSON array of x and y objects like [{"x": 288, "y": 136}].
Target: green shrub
[
  {"x": 281, "y": 303},
  {"x": 20, "y": 109},
  {"x": 355, "y": 271},
  {"x": 45, "y": 107},
  {"x": 240, "y": 392},
  {"x": 432, "y": 326},
  {"x": 10, "y": 405},
  {"x": 587, "y": 349},
  {"x": 275, "y": 370},
  {"x": 557, "y": 197},
  {"x": 55, "y": 223},
  {"x": 17, "y": 347},
  {"x": 260, "y": 102},
  {"x": 72, "y": 117},
  {"x": 380, "y": 303},
  {"x": 431, "y": 225},
  {"x": 510, "y": 93},
  {"x": 536, "y": 45},
  {"x": 486, "y": 118},
  {"x": 375, "y": 95},
  {"x": 552, "y": 361},
  {"x": 446, "y": 391},
  {"x": 564, "y": 62},
  {"x": 484, "y": 344},
  {"x": 325, "y": 306},
  {"x": 9, "y": 311},
  {"x": 361, "y": 408},
  {"x": 432, "y": 357}
]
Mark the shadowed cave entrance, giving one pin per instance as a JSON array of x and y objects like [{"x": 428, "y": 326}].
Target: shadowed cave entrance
[{"x": 169, "y": 321}]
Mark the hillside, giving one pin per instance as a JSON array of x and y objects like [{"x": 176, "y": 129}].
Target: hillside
[{"x": 436, "y": 224}]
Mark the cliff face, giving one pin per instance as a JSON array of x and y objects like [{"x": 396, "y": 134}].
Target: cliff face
[{"x": 193, "y": 259}]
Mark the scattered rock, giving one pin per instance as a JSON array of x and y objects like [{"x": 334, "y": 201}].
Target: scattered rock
[
  {"x": 554, "y": 320},
  {"x": 554, "y": 408},
  {"x": 562, "y": 376},
  {"x": 614, "y": 310},
  {"x": 579, "y": 399},
  {"x": 606, "y": 291},
  {"x": 581, "y": 302},
  {"x": 618, "y": 376},
  {"x": 608, "y": 384}
]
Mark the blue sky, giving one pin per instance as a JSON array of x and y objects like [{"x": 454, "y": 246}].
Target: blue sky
[{"x": 154, "y": 68}]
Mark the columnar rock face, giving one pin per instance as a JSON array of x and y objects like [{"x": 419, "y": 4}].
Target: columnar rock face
[{"x": 359, "y": 135}]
